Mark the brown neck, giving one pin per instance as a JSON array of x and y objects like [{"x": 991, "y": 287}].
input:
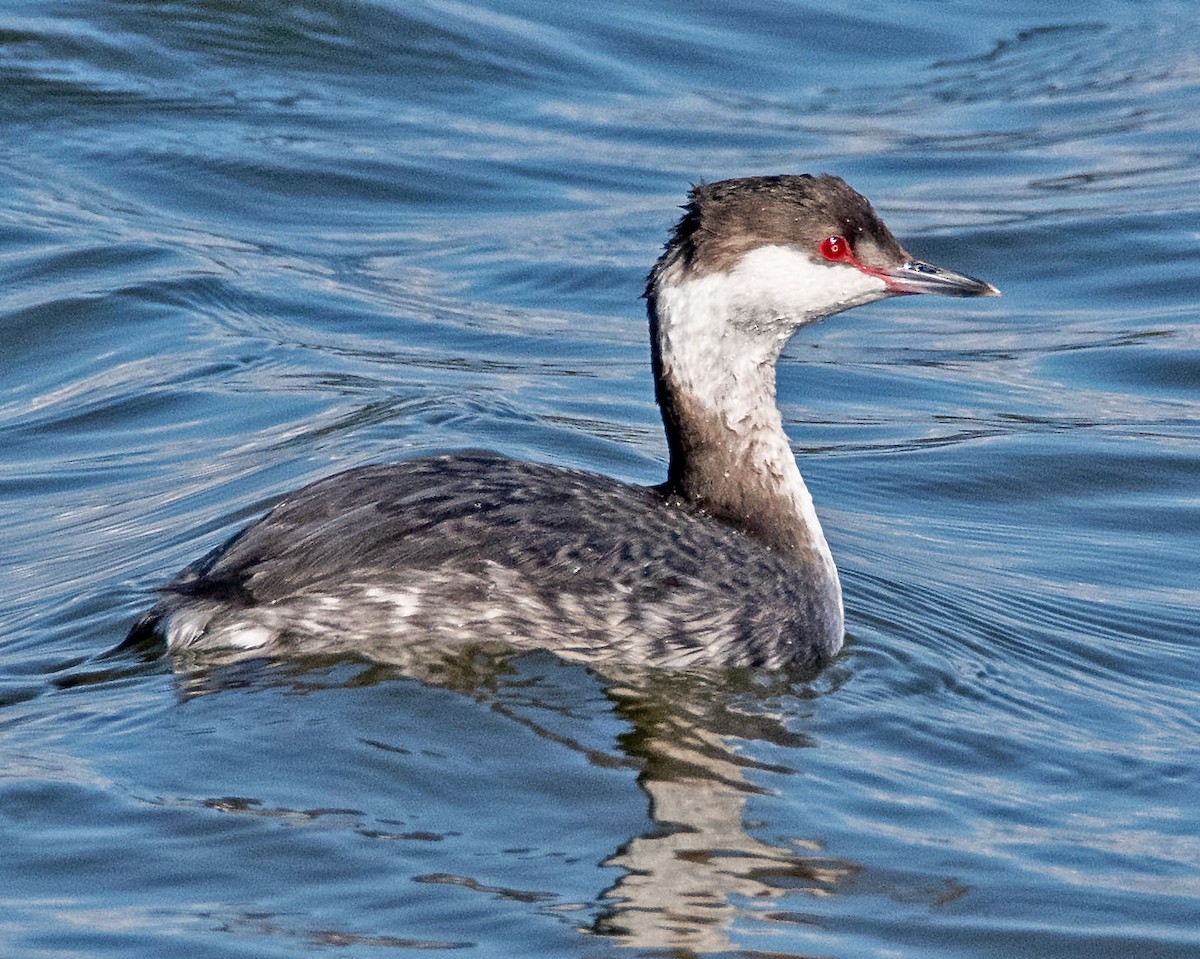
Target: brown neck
[{"x": 729, "y": 454}]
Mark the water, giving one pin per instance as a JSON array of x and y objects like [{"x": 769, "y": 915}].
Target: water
[{"x": 245, "y": 244}]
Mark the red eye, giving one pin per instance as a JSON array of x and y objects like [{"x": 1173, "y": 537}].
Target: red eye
[{"x": 835, "y": 248}]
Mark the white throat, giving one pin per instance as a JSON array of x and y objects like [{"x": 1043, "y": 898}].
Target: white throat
[
  {"x": 718, "y": 338},
  {"x": 722, "y": 332}
]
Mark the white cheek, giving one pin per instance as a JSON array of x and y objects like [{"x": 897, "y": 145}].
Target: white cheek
[
  {"x": 783, "y": 282},
  {"x": 735, "y": 321}
]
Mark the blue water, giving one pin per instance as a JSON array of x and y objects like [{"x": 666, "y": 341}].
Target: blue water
[{"x": 243, "y": 245}]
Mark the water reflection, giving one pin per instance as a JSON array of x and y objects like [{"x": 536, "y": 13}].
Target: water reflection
[
  {"x": 682, "y": 883},
  {"x": 685, "y": 882}
]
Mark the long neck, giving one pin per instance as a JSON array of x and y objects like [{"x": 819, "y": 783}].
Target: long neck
[{"x": 730, "y": 456}]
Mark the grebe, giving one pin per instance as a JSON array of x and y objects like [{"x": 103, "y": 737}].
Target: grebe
[{"x": 725, "y": 563}]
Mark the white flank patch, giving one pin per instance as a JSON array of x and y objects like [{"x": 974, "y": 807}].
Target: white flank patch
[
  {"x": 185, "y": 626},
  {"x": 189, "y": 626},
  {"x": 247, "y": 636},
  {"x": 404, "y": 602}
]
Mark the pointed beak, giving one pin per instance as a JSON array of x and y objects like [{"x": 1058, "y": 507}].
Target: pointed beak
[{"x": 918, "y": 277}]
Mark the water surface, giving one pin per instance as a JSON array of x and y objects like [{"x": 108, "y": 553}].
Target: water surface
[{"x": 243, "y": 245}]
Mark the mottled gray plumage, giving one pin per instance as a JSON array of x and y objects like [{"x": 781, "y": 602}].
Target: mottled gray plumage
[
  {"x": 478, "y": 547},
  {"x": 725, "y": 563}
]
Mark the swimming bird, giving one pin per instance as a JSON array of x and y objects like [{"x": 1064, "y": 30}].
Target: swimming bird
[{"x": 724, "y": 563}]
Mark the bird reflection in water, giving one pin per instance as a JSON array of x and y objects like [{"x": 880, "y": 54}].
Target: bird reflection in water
[{"x": 683, "y": 882}]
